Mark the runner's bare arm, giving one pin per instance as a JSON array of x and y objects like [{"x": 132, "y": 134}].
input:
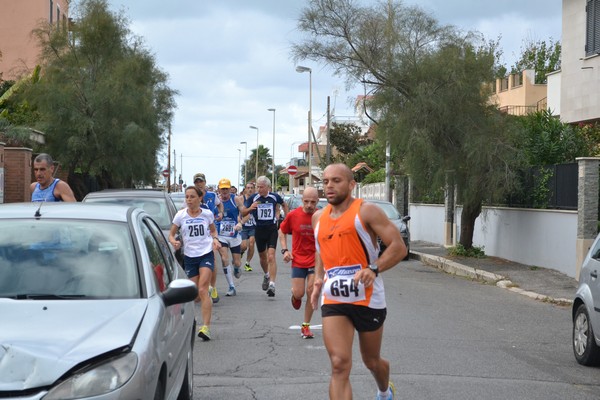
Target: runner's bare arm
[
  {"x": 63, "y": 191},
  {"x": 319, "y": 271},
  {"x": 287, "y": 256},
  {"x": 379, "y": 224}
]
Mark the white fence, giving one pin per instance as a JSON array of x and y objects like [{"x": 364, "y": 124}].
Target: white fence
[
  {"x": 427, "y": 222},
  {"x": 541, "y": 238},
  {"x": 373, "y": 191}
]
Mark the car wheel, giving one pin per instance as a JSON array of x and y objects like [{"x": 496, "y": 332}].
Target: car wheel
[
  {"x": 584, "y": 345},
  {"x": 187, "y": 387}
]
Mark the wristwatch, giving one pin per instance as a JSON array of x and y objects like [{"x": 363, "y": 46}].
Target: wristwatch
[
  {"x": 283, "y": 251},
  {"x": 374, "y": 268}
]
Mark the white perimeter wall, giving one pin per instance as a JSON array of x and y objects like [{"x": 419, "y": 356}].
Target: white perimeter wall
[
  {"x": 543, "y": 238},
  {"x": 426, "y": 222}
]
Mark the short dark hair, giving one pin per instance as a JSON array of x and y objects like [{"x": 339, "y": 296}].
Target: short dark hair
[{"x": 44, "y": 157}]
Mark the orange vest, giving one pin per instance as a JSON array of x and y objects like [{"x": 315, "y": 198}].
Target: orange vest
[{"x": 346, "y": 247}]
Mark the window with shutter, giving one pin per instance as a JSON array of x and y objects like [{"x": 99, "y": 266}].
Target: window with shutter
[{"x": 592, "y": 33}]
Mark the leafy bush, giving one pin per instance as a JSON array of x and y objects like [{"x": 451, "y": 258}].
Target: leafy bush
[
  {"x": 460, "y": 250},
  {"x": 374, "y": 177}
]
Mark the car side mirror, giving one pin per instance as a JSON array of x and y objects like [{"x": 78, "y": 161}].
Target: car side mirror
[{"x": 180, "y": 291}]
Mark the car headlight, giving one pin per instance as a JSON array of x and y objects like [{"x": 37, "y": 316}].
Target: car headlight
[{"x": 100, "y": 379}]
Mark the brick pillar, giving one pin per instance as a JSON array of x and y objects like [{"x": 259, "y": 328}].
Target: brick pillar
[
  {"x": 17, "y": 174},
  {"x": 2, "y": 176},
  {"x": 587, "y": 207}
]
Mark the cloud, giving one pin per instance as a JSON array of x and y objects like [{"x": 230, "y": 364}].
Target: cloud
[{"x": 230, "y": 61}]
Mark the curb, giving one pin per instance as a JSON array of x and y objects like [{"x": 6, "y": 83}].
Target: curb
[{"x": 455, "y": 268}]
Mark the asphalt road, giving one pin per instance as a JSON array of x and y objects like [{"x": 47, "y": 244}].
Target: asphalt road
[{"x": 446, "y": 338}]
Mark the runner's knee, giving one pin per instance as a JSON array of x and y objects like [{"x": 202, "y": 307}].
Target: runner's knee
[{"x": 341, "y": 365}]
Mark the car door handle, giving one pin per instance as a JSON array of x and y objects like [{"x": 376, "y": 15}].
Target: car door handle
[{"x": 594, "y": 274}]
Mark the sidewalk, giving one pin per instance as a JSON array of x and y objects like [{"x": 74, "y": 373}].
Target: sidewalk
[{"x": 534, "y": 282}]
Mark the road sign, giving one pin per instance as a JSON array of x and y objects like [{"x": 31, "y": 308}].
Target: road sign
[
  {"x": 165, "y": 173},
  {"x": 292, "y": 170}
]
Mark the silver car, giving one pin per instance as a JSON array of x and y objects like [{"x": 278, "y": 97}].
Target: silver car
[
  {"x": 178, "y": 199},
  {"x": 157, "y": 203},
  {"x": 394, "y": 216},
  {"x": 586, "y": 310},
  {"x": 93, "y": 305}
]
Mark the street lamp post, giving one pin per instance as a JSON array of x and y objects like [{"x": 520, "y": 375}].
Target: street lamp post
[
  {"x": 273, "y": 182},
  {"x": 245, "y": 163},
  {"x": 256, "y": 155},
  {"x": 239, "y": 172},
  {"x": 301, "y": 69}
]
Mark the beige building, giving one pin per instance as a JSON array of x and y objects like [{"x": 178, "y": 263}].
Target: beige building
[
  {"x": 575, "y": 90},
  {"x": 17, "y": 20},
  {"x": 518, "y": 94}
]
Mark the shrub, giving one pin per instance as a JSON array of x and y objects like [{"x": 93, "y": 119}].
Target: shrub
[{"x": 460, "y": 250}]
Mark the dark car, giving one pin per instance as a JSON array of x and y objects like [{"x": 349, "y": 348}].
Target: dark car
[
  {"x": 392, "y": 213},
  {"x": 93, "y": 305}
]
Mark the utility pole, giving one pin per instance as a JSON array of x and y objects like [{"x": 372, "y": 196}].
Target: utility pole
[
  {"x": 169, "y": 163},
  {"x": 181, "y": 170},
  {"x": 175, "y": 169},
  {"x": 328, "y": 152}
]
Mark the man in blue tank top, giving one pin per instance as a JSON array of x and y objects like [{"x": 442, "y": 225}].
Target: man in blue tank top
[
  {"x": 229, "y": 233},
  {"x": 46, "y": 187},
  {"x": 248, "y": 228},
  {"x": 265, "y": 207}
]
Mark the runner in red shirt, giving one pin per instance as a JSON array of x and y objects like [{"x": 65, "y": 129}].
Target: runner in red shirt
[{"x": 298, "y": 223}]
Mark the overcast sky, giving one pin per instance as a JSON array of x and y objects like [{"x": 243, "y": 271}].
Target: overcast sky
[{"x": 230, "y": 61}]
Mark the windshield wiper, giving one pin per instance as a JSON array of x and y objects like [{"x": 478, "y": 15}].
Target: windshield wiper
[{"x": 47, "y": 296}]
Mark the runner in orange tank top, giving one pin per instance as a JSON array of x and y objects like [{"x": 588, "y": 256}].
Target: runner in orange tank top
[{"x": 348, "y": 281}]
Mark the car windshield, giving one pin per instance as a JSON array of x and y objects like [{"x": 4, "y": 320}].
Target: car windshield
[
  {"x": 155, "y": 207},
  {"x": 389, "y": 210},
  {"x": 67, "y": 259}
]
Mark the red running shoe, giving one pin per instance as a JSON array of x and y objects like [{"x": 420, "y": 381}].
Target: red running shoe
[
  {"x": 305, "y": 331},
  {"x": 296, "y": 303}
]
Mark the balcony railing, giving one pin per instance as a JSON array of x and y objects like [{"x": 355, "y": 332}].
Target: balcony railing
[{"x": 518, "y": 110}]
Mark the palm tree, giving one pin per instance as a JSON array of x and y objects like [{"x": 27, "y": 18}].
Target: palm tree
[{"x": 264, "y": 163}]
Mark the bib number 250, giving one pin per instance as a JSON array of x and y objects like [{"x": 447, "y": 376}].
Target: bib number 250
[{"x": 196, "y": 230}]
